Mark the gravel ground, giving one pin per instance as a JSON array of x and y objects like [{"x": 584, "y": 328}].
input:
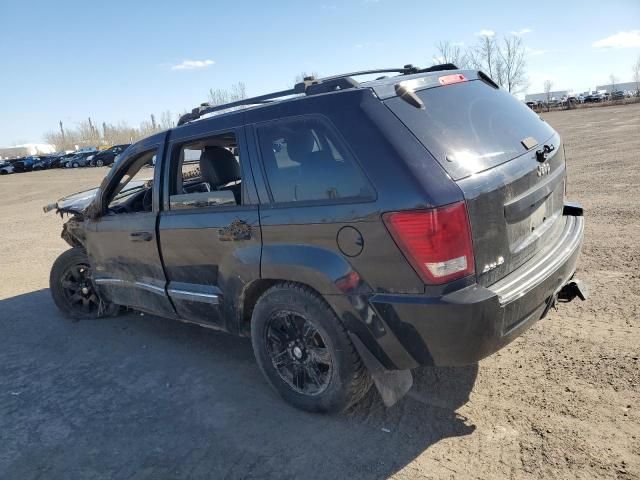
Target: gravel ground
[{"x": 143, "y": 397}]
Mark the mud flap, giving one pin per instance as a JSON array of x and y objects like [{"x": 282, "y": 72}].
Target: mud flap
[{"x": 391, "y": 384}]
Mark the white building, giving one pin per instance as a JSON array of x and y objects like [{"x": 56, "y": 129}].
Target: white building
[
  {"x": 27, "y": 149},
  {"x": 624, "y": 86},
  {"x": 542, "y": 97}
]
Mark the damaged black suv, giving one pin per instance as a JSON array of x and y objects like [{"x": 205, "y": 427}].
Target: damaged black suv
[{"x": 354, "y": 231}]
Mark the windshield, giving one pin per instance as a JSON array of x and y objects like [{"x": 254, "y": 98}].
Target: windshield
[
  {"x": 138, "y": 177},
  {"x": 130, "y": 189},
  {"x": 470, "y": 127}
]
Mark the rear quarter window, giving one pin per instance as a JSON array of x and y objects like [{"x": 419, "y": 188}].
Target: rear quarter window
[
  {"x": 470, "y": 127},
  {"x": 305, "y": 160}
]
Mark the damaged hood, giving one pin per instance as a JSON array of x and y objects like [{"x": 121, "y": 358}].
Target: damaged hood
[
  {"x": 78, "y": 202},
  {"x": 74, "y": 203}
]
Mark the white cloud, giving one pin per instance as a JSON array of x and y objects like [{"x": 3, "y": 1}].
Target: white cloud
[
  {"x": 522, "y": 31},
  {"x": 485, "y": 33},
  {"x": 192, "y": 64},
  {"x": 630, "y": 39}
]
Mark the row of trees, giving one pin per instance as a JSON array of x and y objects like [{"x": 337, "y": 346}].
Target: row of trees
[{"x": 88, "y": 133}]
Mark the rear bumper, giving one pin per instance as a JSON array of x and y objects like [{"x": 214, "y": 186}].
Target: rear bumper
[{"x": 467, "y": 325}]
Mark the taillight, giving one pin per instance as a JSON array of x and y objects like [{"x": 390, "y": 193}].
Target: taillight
[
  {"x": 449, "y": 79},
  {"x": 437, "y": 242}
]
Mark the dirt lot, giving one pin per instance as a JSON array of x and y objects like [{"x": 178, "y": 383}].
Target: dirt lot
[{"x": 142, "y": 397}]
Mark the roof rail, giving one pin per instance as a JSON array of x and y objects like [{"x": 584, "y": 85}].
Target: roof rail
[{"x": 308, "y": 86}]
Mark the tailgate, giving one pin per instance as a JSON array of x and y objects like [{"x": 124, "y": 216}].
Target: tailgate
[
  {"x": 515, "y": 209},
  {"x": 486, "y": 140}
]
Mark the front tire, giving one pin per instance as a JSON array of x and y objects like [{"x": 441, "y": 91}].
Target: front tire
[
  {"x": 304, "y": 351},
  {"x": 73, "y": 290}
]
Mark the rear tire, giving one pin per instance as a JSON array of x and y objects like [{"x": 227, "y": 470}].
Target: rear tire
[
  {"x": 73, "y": 290},
  {"x": 304, "y": 351},
  {"x": 99, "y": 163},
  {"x": 75, "y": 164}
]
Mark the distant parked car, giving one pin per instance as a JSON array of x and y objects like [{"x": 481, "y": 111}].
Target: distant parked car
[
  {"x": 24, "y": 164},
  {"x": 554, "y": 102},
  {"x": 107, "y": 157},
  {"x": 569, "y": 101},
  {"x": 6, "y": 167},
  {"x": 81, "y": 159},
  {"x": 617, "y": 95},
  {"x": 42, "y": 162},
  {"x": 54, "y": 160},
  {"x": 63, "y": 159}
]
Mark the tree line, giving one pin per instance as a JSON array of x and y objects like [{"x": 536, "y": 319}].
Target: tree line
[{"x": 89, "y": 133}]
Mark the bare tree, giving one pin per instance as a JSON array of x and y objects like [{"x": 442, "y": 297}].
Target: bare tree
[
  {"x": 513, "y": 63},
  {"x": 166, "y": 120},
  {"x": 636, "y": 74},
  {"x": 220, "y": 96},
  {"x": 548, "y": 85},
  {"x": 450, "y": 53},
  {"x": 504, "y": 61},
  {"x": 485, "y": 56},
  {"x": 302, "y": 75},
  {"x": 613, "y": 80}
]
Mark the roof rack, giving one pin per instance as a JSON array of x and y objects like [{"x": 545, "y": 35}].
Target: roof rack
[{"x": 308, "y": 86}]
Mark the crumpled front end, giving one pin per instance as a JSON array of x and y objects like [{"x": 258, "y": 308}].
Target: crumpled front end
[{"x": 73, "y": 204}]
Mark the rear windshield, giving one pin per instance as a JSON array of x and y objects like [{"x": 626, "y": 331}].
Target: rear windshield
[{"x": 470, "y": 127}]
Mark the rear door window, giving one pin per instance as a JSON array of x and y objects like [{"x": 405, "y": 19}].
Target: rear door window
[
  {"x": 470, "y": 127},
  {"x": 305, "y": 160}
]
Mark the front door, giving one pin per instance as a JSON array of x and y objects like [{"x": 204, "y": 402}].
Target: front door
[
  {"x": 122, "y": 244},
  {"x": 209, "y": 228}
]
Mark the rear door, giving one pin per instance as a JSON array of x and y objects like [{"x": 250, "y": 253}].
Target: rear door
[
  {"x": 487, "y": 141},
  {"x": 209, "y": 228}
]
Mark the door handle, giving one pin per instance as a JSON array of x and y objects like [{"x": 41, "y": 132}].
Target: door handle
[{"x": 140, "y": 236}]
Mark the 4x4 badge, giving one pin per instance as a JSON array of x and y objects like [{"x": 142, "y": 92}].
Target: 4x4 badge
[{"x": 490, "y": 266}]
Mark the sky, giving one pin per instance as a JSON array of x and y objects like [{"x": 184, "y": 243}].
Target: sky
[{"x": 119, "y": 61}]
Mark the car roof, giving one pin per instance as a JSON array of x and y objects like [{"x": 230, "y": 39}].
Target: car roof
[{"x": 384, "y": 87}]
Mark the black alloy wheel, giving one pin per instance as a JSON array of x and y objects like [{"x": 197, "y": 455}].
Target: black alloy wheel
[
  {"x": 73, "y": 289},
  {"x": 79, "y": 290},
  {"x": 299, "y": 353}
]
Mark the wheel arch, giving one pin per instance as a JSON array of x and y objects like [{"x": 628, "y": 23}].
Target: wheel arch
[{"x": 317, "y": 269}]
